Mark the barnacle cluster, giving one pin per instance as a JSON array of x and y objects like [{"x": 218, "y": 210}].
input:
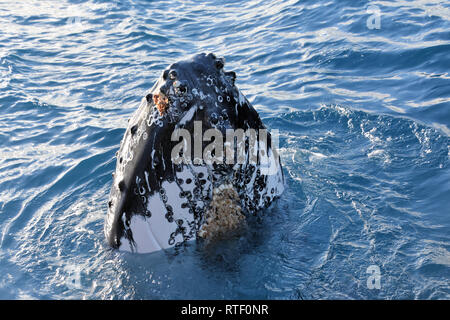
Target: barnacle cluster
[
  {"x": 224, "y": 215},
  {"x": 162, "y": 102}
]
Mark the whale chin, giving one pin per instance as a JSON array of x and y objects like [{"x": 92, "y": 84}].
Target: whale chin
[{"x": 178, "y": 178}]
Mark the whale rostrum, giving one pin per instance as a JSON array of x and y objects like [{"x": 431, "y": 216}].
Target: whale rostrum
[{"x": 194, "y": 162}]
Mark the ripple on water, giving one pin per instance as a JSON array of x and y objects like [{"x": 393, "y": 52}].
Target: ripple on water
[{"x": 363, "y": 187}]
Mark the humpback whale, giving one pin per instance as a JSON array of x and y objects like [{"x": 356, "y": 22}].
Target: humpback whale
[{"x": 177, "y": 178}]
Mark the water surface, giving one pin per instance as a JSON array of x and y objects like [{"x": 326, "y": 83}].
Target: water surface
[{"x": 363, "y": 115}]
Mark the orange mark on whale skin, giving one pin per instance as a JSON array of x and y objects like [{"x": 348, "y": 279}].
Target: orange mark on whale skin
[{"x": 161, "y": 102}]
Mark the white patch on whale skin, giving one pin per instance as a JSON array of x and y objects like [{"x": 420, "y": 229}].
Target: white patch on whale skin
[
  {"x": 189, "y": 172},
  {"x": 271, "y": 169},
  {"x": 153, "y": 234},
  {"x": 173, "y": 199},
  {"x": 275, "y": 182},
  {"x": 200, "y": 169},
  {"x": 144, "y": 241},
  {"x": 186, "y": 174},
  {"x": 159, "y": 226},
  {"x": 125, "y": 245},
  {"x": 249, "y": 187}
]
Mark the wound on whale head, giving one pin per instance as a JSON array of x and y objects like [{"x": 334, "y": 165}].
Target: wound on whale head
[{"x": 156, "y": 202}]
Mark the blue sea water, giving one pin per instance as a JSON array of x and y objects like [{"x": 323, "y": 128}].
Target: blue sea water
[{"x": 359, "y": 91}]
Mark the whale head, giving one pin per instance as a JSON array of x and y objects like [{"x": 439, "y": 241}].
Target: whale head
[{"x": 158, "y": 202}]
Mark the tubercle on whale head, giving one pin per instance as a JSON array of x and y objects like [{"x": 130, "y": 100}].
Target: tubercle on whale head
[{"x": 181, "y": 78}]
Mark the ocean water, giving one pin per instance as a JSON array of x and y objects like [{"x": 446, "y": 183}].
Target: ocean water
[{"x": 359, "y": 91}]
